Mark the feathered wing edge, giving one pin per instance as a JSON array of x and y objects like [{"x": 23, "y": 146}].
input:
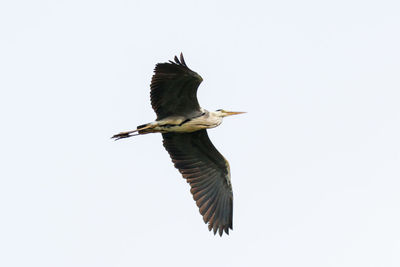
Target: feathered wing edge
[
  {"x": 180, "y": 61},
  {"x": 195, "y": 157}
]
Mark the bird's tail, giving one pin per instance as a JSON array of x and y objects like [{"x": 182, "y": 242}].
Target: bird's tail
[{"x": 141, "y": 129}]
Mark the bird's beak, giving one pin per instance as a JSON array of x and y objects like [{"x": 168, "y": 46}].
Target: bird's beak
[{"x": 229, "y": 113}]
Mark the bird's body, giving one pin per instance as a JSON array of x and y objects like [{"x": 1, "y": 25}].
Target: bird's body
[{"x": 183, "y": 125}]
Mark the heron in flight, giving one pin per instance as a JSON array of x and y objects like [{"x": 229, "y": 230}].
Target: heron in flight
[{"x": 183, "y": 123}]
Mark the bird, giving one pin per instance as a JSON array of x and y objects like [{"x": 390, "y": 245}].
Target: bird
[{"x": 183, "y": 125}]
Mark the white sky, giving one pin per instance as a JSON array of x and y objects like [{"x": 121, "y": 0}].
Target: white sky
[{"x": 315, "y": 162}]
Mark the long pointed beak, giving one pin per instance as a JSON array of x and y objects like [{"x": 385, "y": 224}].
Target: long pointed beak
[{"x": 229, "y": 113}]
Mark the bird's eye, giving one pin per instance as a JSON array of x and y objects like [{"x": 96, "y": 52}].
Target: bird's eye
[{"x": 219, "y": 109}]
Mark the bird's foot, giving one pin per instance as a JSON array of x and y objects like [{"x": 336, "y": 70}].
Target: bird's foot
[{"x": 124, "y": 135}]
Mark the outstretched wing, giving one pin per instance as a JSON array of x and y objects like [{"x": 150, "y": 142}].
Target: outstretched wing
[
  {"x": 208, "y": 174},
  {"x": 173, "y": 90}
]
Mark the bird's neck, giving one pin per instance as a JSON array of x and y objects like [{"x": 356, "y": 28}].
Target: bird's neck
[{"x": 215, "y": 117}]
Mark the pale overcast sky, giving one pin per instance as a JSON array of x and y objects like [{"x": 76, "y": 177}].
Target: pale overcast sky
[{"x": 315, "y": 162}]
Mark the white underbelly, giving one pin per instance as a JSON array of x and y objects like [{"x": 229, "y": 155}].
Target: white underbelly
[{"x": 191, "y": 126}]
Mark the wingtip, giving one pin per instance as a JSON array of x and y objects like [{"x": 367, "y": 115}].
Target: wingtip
[
  {"x": 179, "y": 61},
  {"x": 220, "y": 229},
  {"x": 226, "y": 230},
  {"x": 182, "y": 60}
]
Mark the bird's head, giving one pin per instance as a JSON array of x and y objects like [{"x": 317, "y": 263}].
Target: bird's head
[{"x": 224, "y": 113}]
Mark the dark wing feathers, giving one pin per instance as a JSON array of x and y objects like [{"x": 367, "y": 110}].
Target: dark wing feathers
[
  {"x": 173, "y": 89},
  {"x": 207, "y": 172}
]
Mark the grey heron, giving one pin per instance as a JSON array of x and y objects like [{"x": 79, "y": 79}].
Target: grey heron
[{"x": 183, "y": 123}]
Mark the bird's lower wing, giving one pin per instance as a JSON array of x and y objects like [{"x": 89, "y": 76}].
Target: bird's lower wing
[{"x": 208, "y": 174}]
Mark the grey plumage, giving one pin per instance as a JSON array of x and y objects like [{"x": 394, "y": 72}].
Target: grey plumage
[{"x": 183, "y": 125}]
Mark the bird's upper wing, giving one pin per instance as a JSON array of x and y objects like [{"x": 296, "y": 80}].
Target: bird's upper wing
[
  {"x": 173, "y": 90},
  {"x": 208, "y": 174}
]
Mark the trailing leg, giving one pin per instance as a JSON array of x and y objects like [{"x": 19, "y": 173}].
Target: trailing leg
[{"x": 141, "y": 129}]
